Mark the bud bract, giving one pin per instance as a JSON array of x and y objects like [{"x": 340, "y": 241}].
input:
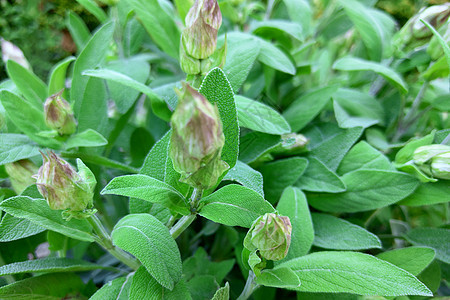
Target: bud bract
[
  {"x": 59, "y": 115},
  {"x": 434, "y": 160},
  {"x": 271, "y": 235},
  {"x": 197, "y": 140},
  {"x": 64, "y": 188},
  {"x": 20, "y": 174},
  {"x": 202, "y": 24}
]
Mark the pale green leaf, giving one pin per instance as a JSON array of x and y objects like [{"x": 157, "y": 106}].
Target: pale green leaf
[
  {"x": 12, "y": 228},
  {"x": 246, "y": 176},
  {"x": 14, "y": 147},
  {"x": 411, "y": 259},
  {"x": 436, "y": 238},
  {"x": 87, "y": 138},
  {"x": 319, "y": 178}
]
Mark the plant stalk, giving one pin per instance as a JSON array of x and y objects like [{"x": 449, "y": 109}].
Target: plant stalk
[
  {"x": 104, "y": 240},
  {"x": 250, "y": 286},
  {"x": 185, "y": 221}
]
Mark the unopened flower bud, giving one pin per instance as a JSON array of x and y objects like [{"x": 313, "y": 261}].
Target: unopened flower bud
[
  {"x": 440, "y": 166},
  {"x": 59, "y": 115},
  {"x": 202, "y": 25},
  {"x": 189, "y": 65},
  {"x": 271, "y": 235},
  {"x": 64, "y": 188},
  {"x": 197, "y": 140},
  {"x": 20, "y": 174},
  {"x": 434, "y": 160}
]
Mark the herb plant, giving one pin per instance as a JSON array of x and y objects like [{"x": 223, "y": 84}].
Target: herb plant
[{"x": 230, "y": 149}]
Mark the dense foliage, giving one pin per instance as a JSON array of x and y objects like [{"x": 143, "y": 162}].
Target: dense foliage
[{"x": 233, "y": 149}]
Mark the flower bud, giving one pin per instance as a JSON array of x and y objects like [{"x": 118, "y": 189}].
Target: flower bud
[
  {"x": 64, "y": 188},
  {"x": 189, "y": 65},
  {"x": 271, "y": 235},
  {"x": 197, "y": 140},
  {"x": 440, "y": 166},
  {"x": 20, "y": 174},
  {"x": 434, "y": 160},
  {"x": 202, "y": 24},
  {"x": 59, "y": 115}
]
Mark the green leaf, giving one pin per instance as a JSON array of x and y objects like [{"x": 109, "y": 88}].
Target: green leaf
[
  {"x": 99, "y": 160},
  {"x": 118, "y": 289},
  {"x": 280, "y": 174},
  {"x": 355, "y": 273},
  {"x": 334, "y": 233},
  {"x": 366, "y": 190},
  {"x": 27, "y": 118},
  {"x": 31, "y": 86},
  {"x": 260, "y": 117},
  {"x": 273, "y": 57},
  {"x": 202, "y": 287},
  {"x": 200, "y": 264},
  {"x": 57, "y": 78},
  {"x": 93, "y": 113},
  {"x": 349, "y": 63},
  {"x": 407, "y": 152},
  {"x": 158, "y": 165},
  {"x": 278, "y": 27},
  {"x": 242, "y": 52},
  {"x": 217, "y": 89},
  {"x": 12, "y": 228},
  {"x": 78, "y": 30},
  {"x": 87, "y": 138},
  {"x": 362, "y": 109},
  {"x": 162, "y": 110},
  {"x": 300, "y": 12},
  {"x": 441, "y": 41},
  {"x": 428, "y": 194},
  {"x": 141, "y": 234},
  {"x": 92, "y": 56},
  {"x": 411, "y": 259},
  {"x": 279, "y": 277},
  {"x": 159, "y": 24},
  {"x": 14, "y": 147},
  {"x": 223, "y": 293},
  {"x": 234, "y": 205},
  {"x": 50, "y": 265},
  {"x": 329, "y": 143},
  {"x": 368, "y": 26},
  {"x": 255, "y": 144},
  {"x": 38, "y": 211},
  {"x": 307, "y": 107},
  {"x": 47, "y": 286},
  {"x": 364, "y": 156},
  {"x": 319, "y": 178},
  {"x": 136, "y": 68},
  {"x": 144, "y": 286},
  {"x": 436, "y": 238},
  {"x": 293, "y": 204},
  {"x": 148, "y": 189},
  {"x": 94, "y": 9},
  {"x": 246, "y": 176}
]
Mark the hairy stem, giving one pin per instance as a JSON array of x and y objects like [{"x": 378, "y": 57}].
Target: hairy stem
[
  {"x": 104, "y": 240},
  {"x": 250, "y": 286}
]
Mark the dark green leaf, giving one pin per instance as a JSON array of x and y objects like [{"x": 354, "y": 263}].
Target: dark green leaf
[
  {"x": 118, "y": 289},
  {"x": 12, "y": 228},
  {"x": 255, "y": 144},
  {"x": 428, "y": 194},
  {"x": 246, "y": 176},
  {"x": 319, "y": 178},
  {"x": 142, "y": 234},
  {"x": 234, "y": 205},
  {"x": 436, "y": 238}
]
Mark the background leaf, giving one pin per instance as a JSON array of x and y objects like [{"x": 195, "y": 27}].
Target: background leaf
[
  {"x": 246, "y": 176},
  {"x": 318, "y": 178},
  {"x": 436, "y": 238},
  {"x": 411, "y": 259}
]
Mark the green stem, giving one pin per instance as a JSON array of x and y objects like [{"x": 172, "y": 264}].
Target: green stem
[
  {"x": 250, "y": 286},
  {"x": 185, "y": 221},
  {"x": 104, "y": 240}
]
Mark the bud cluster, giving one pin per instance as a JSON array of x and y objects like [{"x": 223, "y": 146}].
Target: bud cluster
[
  {"x": 434, "y": 160},
  {"x": 64, "y": 188},
  {"x": 197, "y": 140},
  {"x": 199, "y": 39},
  {"x": 270, "y": 234}
]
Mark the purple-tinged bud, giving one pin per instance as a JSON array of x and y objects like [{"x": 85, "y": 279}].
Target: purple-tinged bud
[
  {"x": 440, "y": 166},
  {"x": 271, "y": 235},
  {"x": 59, "y": 115},
  {"x": 20, "y": 174},
  {"x": 197, "y": 140},
  {"x": 202, "y": 25},
  {"x": 64, "y": 188}
]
